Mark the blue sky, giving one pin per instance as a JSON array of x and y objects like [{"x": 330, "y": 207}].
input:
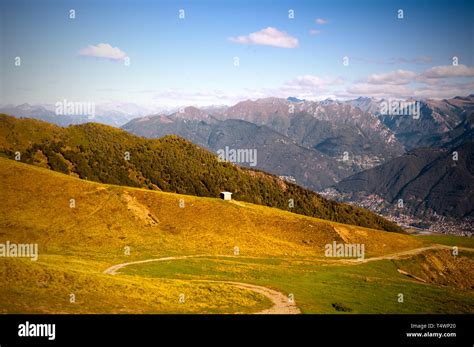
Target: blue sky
[{"x": 177, "y": 61}]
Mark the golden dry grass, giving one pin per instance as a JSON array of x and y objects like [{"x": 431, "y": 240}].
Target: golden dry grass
[{"x": 77, "y": 244}]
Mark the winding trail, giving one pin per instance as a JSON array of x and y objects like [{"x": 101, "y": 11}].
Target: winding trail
[
  {"x": 400, "y": 255},
  {"x": 281, "y": 303}
]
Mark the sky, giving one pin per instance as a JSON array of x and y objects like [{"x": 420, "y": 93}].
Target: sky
[{"x": 172, "y": 53}]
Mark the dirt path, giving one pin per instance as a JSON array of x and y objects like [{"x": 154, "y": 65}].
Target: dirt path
[
  {"x": 398, "y": 255},
  {"x": 281, "y": 303},
  {"x": 402, "y": 254}
]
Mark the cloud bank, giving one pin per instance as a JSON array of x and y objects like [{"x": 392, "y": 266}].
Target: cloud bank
[{"x": 103, "y": 51}]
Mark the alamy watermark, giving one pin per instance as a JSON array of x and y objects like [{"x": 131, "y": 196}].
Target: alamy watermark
[
  {"x": 78, "y": 108},
  {"x": 20, "y": 250},
  {"x": 394, "y": 107},
  {"x": 241, "y": 156},
  {"x": 28, "y": 329},
  {"x": 345, "y": 250}
]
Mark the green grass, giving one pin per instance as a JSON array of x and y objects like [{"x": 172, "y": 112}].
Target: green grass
[
  {"x": 366, "y": 288},
  {"x": 449, "y": 240}
]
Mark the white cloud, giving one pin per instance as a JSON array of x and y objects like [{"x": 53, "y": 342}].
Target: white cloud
[
  {"x": 309, "y": 87},
  {"x": 321, "y": 21},
  {"x": 313, "y": 81},
  {"x": 394, "y": 77},
  {"x": 104, "y": 51},
  {"x": 268, "y": 37},
  {"x": 429, "y": 76},
  {"x": 443, "y": 90},
  {"x": 422, "y": 59},
  {"x": 314, "y": 32},
  {"x": 435, "y": 82},
  {"x": 180, "y": 97},
  {"x": 373, "y": 90},
  {"x": 446, "y": 71}
]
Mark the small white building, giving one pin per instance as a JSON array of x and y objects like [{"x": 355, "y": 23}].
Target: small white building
[{"x": 226, "y": 195}]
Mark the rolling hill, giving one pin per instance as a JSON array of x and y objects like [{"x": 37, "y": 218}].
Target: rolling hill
[{"x": 108, "y": 155}]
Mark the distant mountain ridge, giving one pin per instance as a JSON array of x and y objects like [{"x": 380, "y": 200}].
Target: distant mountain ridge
[
  {"x": 330, "y": 139},
  {"x": 114, "y": 114},
  {"x": 426, "y": 183},
  {"x": 437, "y": 118}
]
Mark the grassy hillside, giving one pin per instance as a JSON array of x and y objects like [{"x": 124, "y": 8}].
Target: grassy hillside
[
  {"x": 38, "y": 199},
  {"x": 277, "y": 249},
  {"x": 100, "y": 153}
]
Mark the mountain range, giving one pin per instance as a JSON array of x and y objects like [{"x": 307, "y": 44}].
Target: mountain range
[
  {"x": 430, "y": 183},
  {"x": 436, "y": 119},
  {"x": 316, "y": 143},
  {"x": 114, "y": 114}
]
